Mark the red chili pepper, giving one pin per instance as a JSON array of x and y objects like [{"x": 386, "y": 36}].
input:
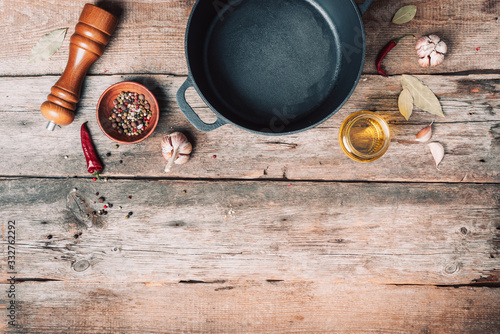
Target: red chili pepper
[
  {"x": 94, "y": 165},
  {"x": 385, "y": 51}
]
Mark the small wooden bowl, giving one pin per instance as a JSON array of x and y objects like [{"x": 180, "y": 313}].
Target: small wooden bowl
[{"x": 105, "y": 107}]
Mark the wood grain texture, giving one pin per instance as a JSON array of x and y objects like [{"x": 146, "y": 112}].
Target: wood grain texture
[
  {"x": 253, "y": 307},
  {"x": 470, "y": 133},
  {"x": 276, "y": 234},
  {"x": 150, "y": 35},
  {"x": 364, "y": 233}
]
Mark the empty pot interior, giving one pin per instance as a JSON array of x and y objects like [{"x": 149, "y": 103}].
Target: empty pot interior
[{"x": 275, "y": 66}]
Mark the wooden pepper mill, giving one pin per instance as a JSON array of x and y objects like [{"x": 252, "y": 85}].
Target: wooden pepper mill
[{"x": 87, "y": 44}]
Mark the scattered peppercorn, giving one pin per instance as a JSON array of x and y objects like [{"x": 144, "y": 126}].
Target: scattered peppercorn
[
  {"x": 87, "y": 215},
  {"x": 105, "y": 206},
  {"x": 97, "y": 194},
  {"x": 214, "y": 156},
  {"x": 127, "y": 217},
  {"x": 108, "y": 154},
  {"x": 130, "y": 197},
  {"x": 184, "y": 191},
  {"x": 121, "y": 161},
  {"x": 110, "y": 205},
  {"x": 116, "y": 146},
  {"x": 101, "y": 199},
  {"x": 130, "y": 213}
]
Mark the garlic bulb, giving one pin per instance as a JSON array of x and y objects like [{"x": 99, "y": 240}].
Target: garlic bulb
[
  {"x": 431, "y": 50},
  {"x": 176, "y": 149}
]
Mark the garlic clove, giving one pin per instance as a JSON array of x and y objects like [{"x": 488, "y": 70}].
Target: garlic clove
[
  {"x": 441, "y": 47},
  {"x": 182, "y": 159},
  {"x": 186, "y": 148},
  {"x": 424, "y": 62},
  {"x": 434, "y": 39},
  {"x": 425, "y": 134},
  {"x": 425, "y": 50},
  {"x": 436, "y": 58},
  {"x": 437, "y": 151},
  {"x": 422, "y": 41}
]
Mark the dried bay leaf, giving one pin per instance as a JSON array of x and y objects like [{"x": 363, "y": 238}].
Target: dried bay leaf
[
  {"x": 404, "y": 14},
  {"x": 423, "y": 97},
  {"x": 47, "y": 45},
  {"x": 405, "y": 103}
]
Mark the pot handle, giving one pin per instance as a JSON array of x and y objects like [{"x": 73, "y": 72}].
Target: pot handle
[
  {"x": 192, "y": 117},
  {"x": 364, "y": 7}
]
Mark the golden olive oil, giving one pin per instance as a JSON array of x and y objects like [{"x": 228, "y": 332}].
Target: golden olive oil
[{"x": 364, "y": 136}]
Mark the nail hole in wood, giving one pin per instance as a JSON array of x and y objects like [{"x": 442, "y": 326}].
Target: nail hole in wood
[{"x": 274, "y": 280}]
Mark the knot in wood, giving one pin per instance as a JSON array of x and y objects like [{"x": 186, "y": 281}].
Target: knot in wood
[
  {"x": 451, "y": 268},
  {"x": 81, "y": 265}
]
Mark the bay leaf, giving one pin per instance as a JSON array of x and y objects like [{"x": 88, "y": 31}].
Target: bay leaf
[
  {"x": 405, "y": 14},
  {"x": 47, "y": 45},
  {"x": 405, "y": 103},
  {"x": 423, "y": 97}
]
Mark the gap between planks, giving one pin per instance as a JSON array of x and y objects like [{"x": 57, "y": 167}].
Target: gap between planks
[{"x": 198, "y": 179}]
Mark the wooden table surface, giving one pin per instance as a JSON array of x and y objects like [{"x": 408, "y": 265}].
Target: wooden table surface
[{"x": 274, "y": 235}]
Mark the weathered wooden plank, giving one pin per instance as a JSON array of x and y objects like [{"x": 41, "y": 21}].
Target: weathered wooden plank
[
  {"x": 150, "y": 37},
  {"x": 324, "y": 232},
  {"x": 252, "y": 307},
  {"x": 470, "y": 133}
]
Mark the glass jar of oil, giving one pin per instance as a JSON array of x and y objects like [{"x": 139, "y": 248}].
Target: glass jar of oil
[{"x": 364, "y": 136}]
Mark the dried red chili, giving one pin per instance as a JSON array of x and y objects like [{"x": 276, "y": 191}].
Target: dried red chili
[
  {"x": 384, "y": 53},
  {"x": 94, "y": 165}
]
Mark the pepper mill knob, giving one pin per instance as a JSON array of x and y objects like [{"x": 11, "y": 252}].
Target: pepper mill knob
[{"x": 92, "y": 34}]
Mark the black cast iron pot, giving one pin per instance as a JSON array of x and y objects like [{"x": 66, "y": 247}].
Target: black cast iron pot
[{"x": 273, "y": 67}]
